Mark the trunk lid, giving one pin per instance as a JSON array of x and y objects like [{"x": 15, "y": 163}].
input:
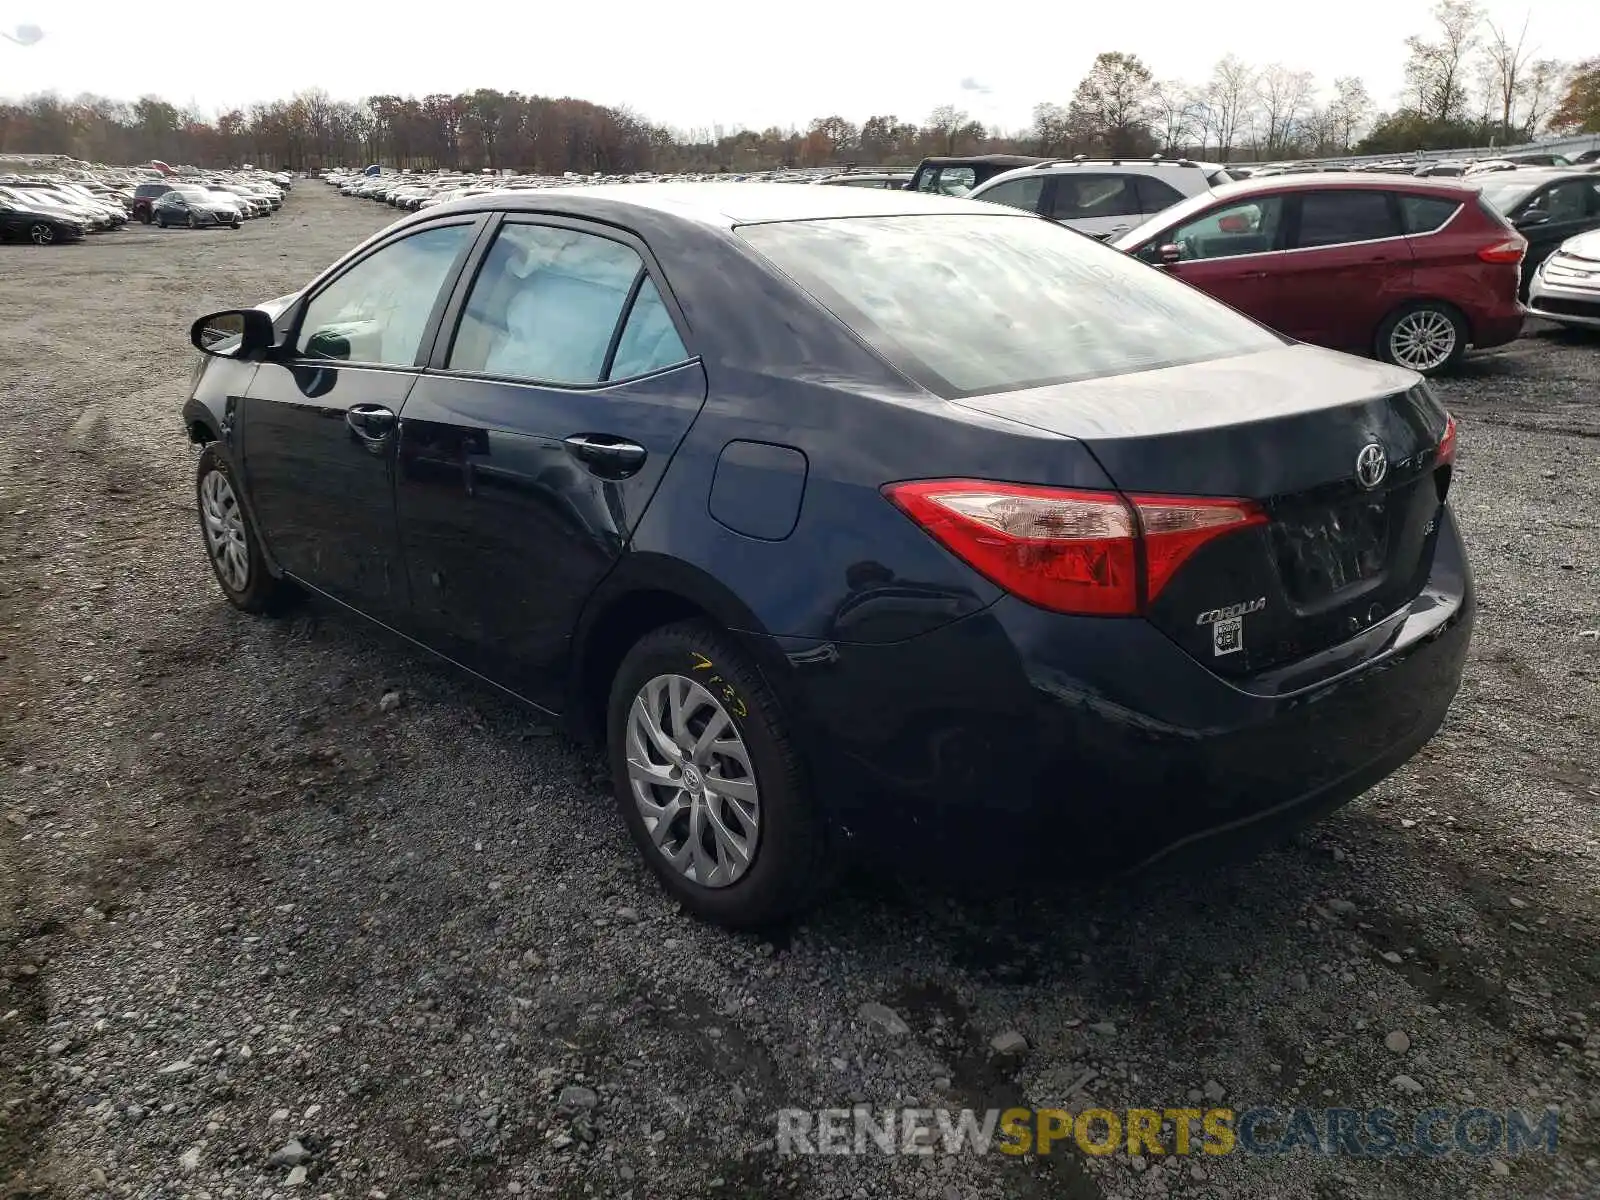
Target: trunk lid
[{"x": 1284, "y": 428}]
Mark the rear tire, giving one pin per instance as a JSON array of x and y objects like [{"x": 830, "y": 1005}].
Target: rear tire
[
  {"x": 776, "y": 860},
  {"x": 161, "y": 220},
  {"x": 231, "y": 543},
  {"x": 144, "y": 216},
  {"x": 1427, "y": 337}
]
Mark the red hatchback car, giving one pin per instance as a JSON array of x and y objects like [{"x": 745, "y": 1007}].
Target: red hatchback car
[{"x": 1409, "y": 270}]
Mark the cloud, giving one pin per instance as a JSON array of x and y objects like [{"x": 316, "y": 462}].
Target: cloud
[{"x": 969, "y": 84}]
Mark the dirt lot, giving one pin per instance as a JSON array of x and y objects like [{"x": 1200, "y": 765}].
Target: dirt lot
[{"x": 240, "y": 905}]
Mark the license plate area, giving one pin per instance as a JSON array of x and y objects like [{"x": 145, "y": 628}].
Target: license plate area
[{"x": 1324, "y": 549}]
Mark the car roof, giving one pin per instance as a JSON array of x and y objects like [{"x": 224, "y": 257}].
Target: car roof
[
  {"x": 1531, "y": 176},
  {"x": 1321, "y": 181},
  {"x": 721, "y": 204},
  {"x": 1004, "y": 160}
]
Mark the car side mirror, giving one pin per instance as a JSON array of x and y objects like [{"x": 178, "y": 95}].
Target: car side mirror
[
  {"x": 1534, "y": 216},
  {"x": 233, "y": 333},
  {"x": 1164, "y": 255}
]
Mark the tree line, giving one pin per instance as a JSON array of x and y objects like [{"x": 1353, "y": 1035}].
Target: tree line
[{"x": 1471, "y": 83}]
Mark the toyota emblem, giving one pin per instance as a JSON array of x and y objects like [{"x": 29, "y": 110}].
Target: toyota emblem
[{"x": 1372, "y": 464}]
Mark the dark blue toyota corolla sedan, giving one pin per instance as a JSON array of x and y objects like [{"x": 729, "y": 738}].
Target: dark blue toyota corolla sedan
[{"x": 849, "y": 517}]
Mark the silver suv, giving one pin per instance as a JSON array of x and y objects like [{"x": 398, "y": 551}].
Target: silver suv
[{"x": 1104, "y": 198}]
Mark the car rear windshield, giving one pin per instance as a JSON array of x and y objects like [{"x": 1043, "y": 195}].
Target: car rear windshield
[
  {"x": 965, "y": 304},
  {"x": 1506, "y": 195}
]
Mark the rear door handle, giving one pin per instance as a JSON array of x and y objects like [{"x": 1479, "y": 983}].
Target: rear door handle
[
  {"x": 606, "y": 456},
  {"x": 370, "y": 422}
]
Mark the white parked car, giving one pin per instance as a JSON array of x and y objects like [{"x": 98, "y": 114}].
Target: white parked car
[
  {"x": 1566, "y": 287},
  {"x": 1103, "y": 198}
]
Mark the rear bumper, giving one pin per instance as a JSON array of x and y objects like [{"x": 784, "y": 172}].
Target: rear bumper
[{"x": 1017, "y": 739}]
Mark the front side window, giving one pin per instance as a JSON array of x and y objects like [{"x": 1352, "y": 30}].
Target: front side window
[
  {"x": 1083, "y": 197},
  {"x": 545, "y": 305},
  {"x": 377, "y": 311},
  {"x": 1567, "y": 201},
  {"x": 1248, "y": 227},
  {"x": 1016, "y": 193},
  {"x": 1337, "y": 218},
  {"x": 972, "y": 303}
]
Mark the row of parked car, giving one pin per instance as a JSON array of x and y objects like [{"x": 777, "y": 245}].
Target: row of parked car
[
  {"x": 1410, "y": 267},
  {"x": 50, "y": 208}
]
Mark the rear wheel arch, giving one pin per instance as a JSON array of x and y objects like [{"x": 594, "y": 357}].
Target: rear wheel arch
[{"x": 645, "y": 593}]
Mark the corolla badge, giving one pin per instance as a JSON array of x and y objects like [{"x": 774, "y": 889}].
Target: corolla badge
[
  {"x": 1227, "y": 624},
  {"x": 1372, "y": 464}
]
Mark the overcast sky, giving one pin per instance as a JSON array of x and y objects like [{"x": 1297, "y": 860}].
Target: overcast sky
[{"x": 705, "y": 62}]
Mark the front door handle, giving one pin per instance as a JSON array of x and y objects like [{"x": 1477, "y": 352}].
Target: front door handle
[
  {"x": 370, "y": 422},
  {"x": 606, "y": 456}
]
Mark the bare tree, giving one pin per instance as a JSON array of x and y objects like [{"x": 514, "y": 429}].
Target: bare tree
[
  {"x": 1230, "y": 100},
  {"x": 1114, "y": 104},
  {"x": 1546, "y": 81},
  {"x": 1283, "y": 95},
  {"x": 944, "y": 125},
  {"x": 1509, "y": 62},
  {"x": 1436, "y": 71},
  {"x": 1175, "y": 114},
  {"x": 1350, "y": 110},
  {"x": 1050, "y": 127}
]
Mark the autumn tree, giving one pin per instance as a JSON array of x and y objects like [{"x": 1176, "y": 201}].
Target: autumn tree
[{"x": 1579, "y": 108}]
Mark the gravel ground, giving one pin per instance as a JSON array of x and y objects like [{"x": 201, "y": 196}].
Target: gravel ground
[{"x": 242, "y": 905}]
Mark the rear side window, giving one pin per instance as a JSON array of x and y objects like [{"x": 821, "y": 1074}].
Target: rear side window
[
  {"x": 1084, "y": 197},
  {"x": 1155, "y": 195},
  {"x": 967, "y": 303},
  {"x": 1335, "y": 218},
  {"x": 1424, "y": 214},
  {"x": 545, "y": 305},
  {"x": 1219, "y": 177},
  {"x": 1016, "y": 193},
  {"x": 649, "y": 340}
]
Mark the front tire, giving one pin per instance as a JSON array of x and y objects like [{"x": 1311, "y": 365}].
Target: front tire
[
  {"x": 235, "y": 223},
  {"x": 144, "y": 216},
  {"x": 1428, "y": 337},
  {"x": 231, "y": 543},
  {"x": 710, "y": 786},
  {"x": 194, "y": 221},
  {"x": 161, "y": 220}
]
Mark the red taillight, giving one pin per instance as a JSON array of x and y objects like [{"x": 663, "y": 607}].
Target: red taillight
[
  {"x": 1446, "y": 453},
  {"x": 1175, "y": 528},
  {"x": 1509, "y": 251},
  {"x": 1065, "y": 550}
]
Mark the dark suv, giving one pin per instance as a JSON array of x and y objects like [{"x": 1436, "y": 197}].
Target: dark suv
[{"x": 145, "y": 195}]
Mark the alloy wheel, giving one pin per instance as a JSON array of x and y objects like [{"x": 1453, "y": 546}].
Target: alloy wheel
[
  {"x": 691, "y": 778},
  {"x": 42, "y": 234},
  {"x": 1423, "y": 340},
  {"x": 225, "y": 536}
]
